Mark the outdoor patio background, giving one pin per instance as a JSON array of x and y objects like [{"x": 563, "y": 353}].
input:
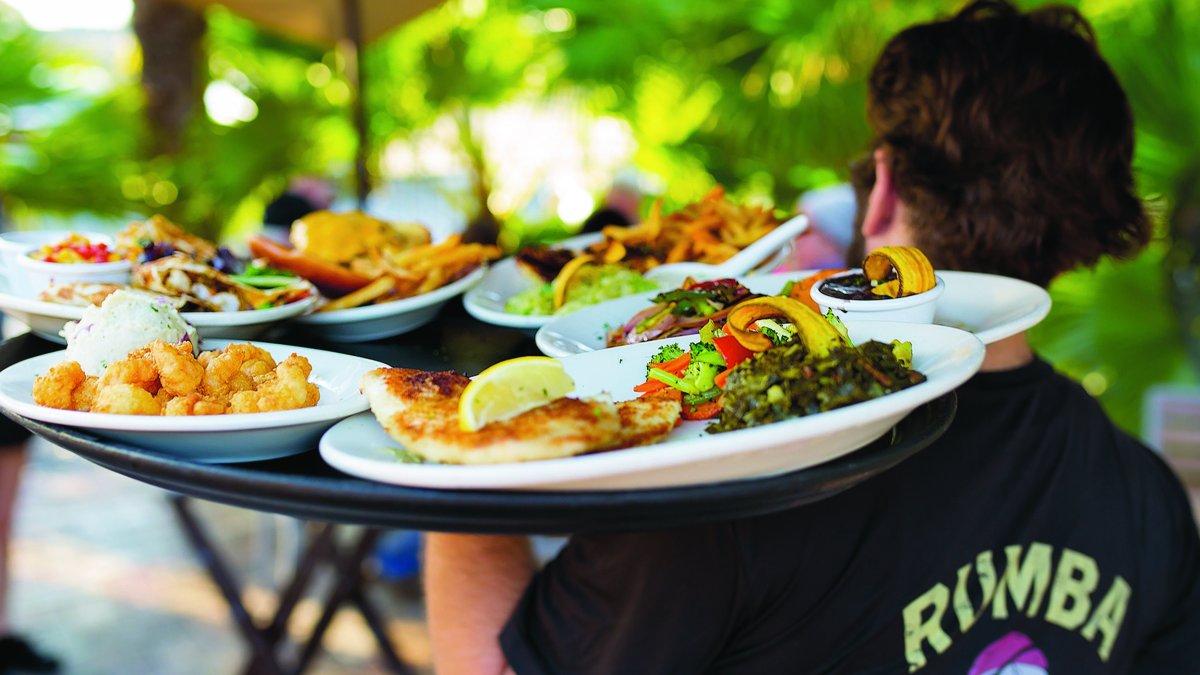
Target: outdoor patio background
[{"x": 103, "y": 578}]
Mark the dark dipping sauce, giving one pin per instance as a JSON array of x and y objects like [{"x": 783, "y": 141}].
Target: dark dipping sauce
[{"x": 853, "y": 287}]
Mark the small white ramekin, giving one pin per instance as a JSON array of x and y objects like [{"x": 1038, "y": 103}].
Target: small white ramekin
[
  {"x": 917, "y": 308},
  {"x": 39, "y": 275}
]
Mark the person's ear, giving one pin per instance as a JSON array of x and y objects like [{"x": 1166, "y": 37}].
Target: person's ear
[{"x": 880, "y": 214}]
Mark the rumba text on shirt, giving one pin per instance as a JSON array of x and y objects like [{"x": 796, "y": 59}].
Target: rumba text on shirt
[{"x": 1029, "y": 582}]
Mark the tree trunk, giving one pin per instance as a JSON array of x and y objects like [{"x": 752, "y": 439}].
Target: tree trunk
[
  {"x": 484, "y": 228},
  {"x": 171, "y": 36}
]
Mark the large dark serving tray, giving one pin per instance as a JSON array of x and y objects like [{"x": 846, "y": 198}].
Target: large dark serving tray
[{"x": 305, "y": 487}]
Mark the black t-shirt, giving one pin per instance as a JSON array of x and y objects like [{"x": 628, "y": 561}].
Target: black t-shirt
[{"x": 1033, "y": 536}]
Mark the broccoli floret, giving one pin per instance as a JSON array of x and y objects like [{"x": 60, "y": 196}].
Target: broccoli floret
[
  {"x": 667, "y": 353},
  {"x": 836, "y": 322},
  {"x": 703, "y": 367},
  {"x": 706, "y": 352},
  {"x": 777, "y": 333}
]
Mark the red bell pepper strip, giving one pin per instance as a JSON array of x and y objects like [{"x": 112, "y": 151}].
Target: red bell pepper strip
[{"x": 732, "y": 350}]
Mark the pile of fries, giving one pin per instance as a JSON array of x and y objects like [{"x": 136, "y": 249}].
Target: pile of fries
[
  {"x": 356, "y": 260},
  {"x": 710, "y": 231},
  {"x": 402, "y": 272}
]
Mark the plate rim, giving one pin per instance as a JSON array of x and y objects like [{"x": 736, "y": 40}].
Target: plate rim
[
  {"x": 151, "y": 424},
  {"x": 245, "y": 317}
]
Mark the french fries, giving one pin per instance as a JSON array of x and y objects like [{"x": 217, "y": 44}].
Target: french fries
[
  {"x": 399, "y": 262},
  {"x": 711, "y": 231}
]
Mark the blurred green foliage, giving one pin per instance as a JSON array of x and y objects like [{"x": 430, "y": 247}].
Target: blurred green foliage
[{"x": 765, "y": 97}]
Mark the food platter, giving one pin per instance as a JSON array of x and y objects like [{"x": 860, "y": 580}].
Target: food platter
[
  {"x": 989, "y": 306},
  {"x": 689, "y": 455},
  {"x": 373, "y": 322},
  {"x": 47, "y": 319},
  {"x": 486, "y": 301},
  {"x": 213, "y": 438}
]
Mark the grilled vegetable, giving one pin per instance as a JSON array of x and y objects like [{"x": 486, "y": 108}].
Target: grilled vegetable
[
  {"x": 914, "y": 273},
  {"x": 812, "y": 330}
]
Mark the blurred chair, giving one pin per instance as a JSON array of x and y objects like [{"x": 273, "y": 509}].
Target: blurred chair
[{"x": 1171, "y": 425}]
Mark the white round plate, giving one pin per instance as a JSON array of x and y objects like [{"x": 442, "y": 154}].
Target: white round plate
[
  {"x": 210, "y": 438},
  {"x": 992, "y": 307},
  {"x": 47, "y": 318},
  {"x": 689, "y": 455},
  {"x": 373, "y": 322},
  {"x": 505, "y": 279}
]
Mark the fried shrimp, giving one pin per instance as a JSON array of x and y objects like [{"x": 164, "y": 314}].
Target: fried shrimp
[
  {"x": 125, "y": 399},
  {"x": 234, "y": 369},
  {"x": 138, "y": 369},
  {"x": 193, "y": 404},
  {"x": 164, "y": 378},
  {"x": 286, "y": 388},
  {"x": 178, "y": 371},
  {"x": 56, "y": 388},
  {"x": 85, "y": 395}
]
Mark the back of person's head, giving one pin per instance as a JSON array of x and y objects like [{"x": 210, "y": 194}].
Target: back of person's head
[{"x": 1010, "y": 142}]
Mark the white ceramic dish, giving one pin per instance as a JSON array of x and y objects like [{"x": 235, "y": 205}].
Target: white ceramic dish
[
  {"x": 14, "y": 245},
  {"x": 486, "y": 301},
  {"x": 689, "y": 455},
  {"x": 992, "y": 307},
  {"x": 211, "y": 438},
  {"x": 40, "y": 275},
  {"x": 373, "y": 322},
  {"x": 47, "y": 318},
  {"x": 919, "y": 308}
]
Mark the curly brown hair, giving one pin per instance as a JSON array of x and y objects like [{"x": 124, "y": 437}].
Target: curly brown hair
[{"x": 1010, "y": 142}]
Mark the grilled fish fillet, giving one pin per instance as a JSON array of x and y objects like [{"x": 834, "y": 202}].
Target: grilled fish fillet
[{"x": 420, "y": 410}]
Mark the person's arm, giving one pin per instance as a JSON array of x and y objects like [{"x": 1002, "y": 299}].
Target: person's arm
[{"x": 472, "y": 584}]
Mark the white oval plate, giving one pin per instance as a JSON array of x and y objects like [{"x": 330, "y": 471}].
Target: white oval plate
[
  {"x": 487, "y": 300},
  {"x": 210, "y": 438},
  {"x": 47, "y": 318},
  {"x": 373, "y": 322},
  {"x": 992, "y": 307},
  {"x": 689, "y": 455}
]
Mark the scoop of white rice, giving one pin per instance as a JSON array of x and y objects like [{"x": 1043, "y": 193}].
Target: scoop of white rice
[{"x": 124, "y": 323}]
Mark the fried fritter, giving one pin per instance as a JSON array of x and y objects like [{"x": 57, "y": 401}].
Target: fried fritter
[
  {"x": 287, "y": 388},
  {"x": 125, "y": 399},
  {"x": 234, "y": 369},
  {"x": 55, "y": 389},
  {"x": 194, "y": 404},
  {"x": 137, "y": 369},
  {"x": 163, "y": 378},
  {"x": 178, "y": 371},
  {"x": 420, "y": 409}
]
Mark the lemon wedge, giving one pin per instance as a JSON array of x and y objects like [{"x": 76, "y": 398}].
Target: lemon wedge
[
  {"x": 562, "y": 282},
  {"x": 510, "y": 388}
]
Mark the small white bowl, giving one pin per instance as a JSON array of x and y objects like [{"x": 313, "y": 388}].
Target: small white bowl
[
  {"x": 14, "y": 245},
  {"x": 40, "y": 275},
  {"x": 917, "y": 308}
]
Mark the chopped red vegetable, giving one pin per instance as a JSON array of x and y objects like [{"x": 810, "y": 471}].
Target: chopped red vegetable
[{"x": 702, "y": 411}]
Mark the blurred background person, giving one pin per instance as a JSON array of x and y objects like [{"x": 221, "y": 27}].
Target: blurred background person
[{"x": 825, "y": 245}]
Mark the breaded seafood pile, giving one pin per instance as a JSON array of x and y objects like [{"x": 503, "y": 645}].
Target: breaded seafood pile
[{"x": 165, "y": 379}]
